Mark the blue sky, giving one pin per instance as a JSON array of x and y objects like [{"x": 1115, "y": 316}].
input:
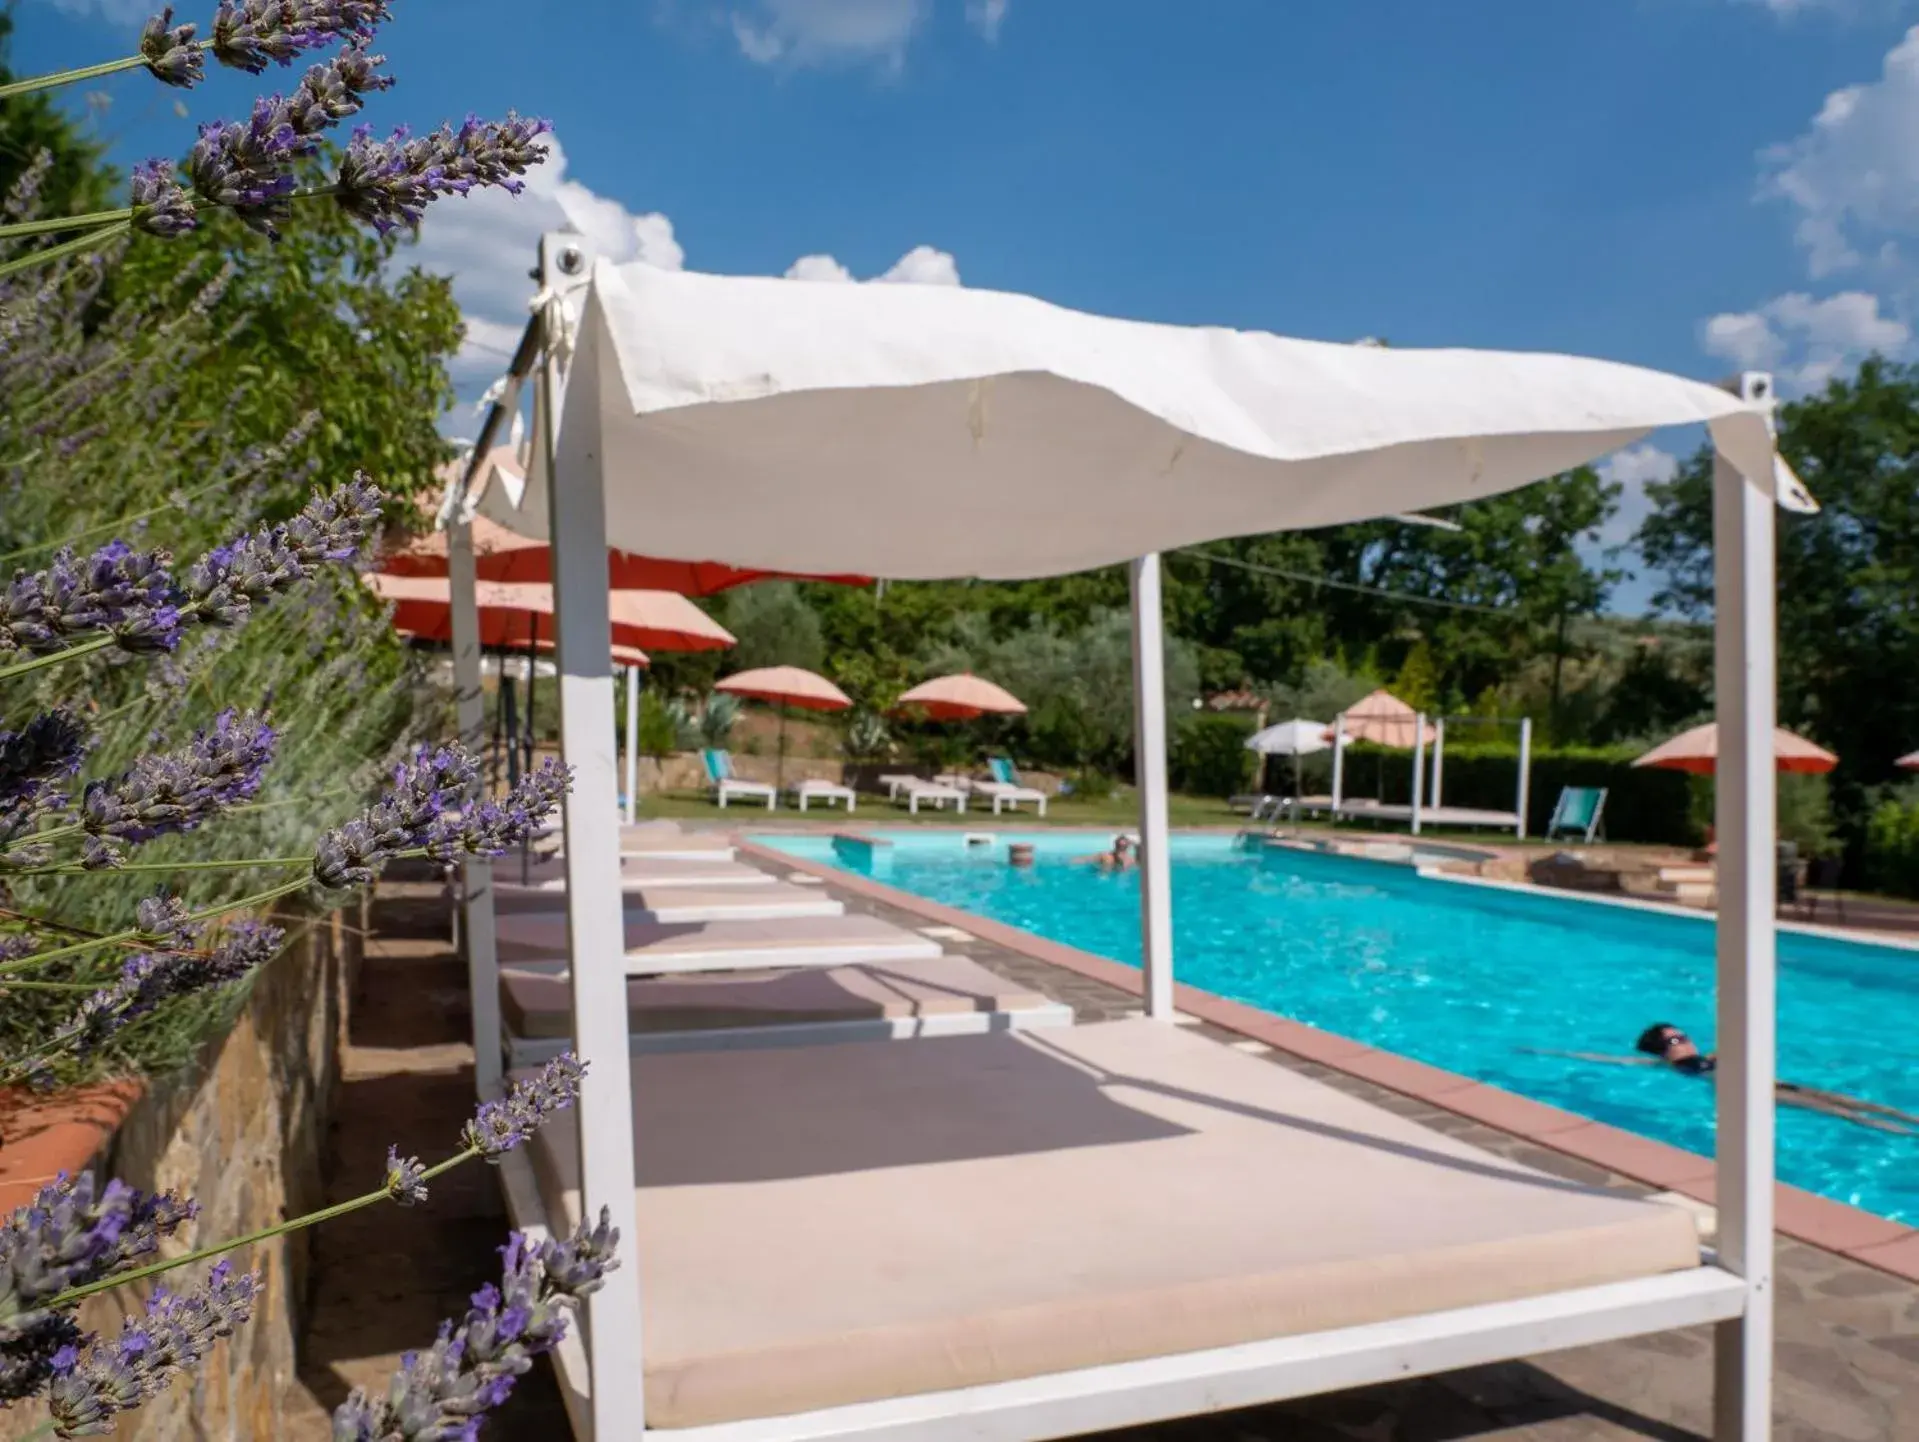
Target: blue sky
[{"x": 1697, "y": 185}]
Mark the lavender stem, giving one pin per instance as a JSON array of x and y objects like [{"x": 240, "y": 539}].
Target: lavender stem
[
  {"x": 64, "y": 222},
  {"x": 73, "y": 77},
  {"x": 66, "y": 248},
  {"x": 266, "y": 1234},
  {"x": 71, "y": 653},
  {"x": 259, "y": 898}
]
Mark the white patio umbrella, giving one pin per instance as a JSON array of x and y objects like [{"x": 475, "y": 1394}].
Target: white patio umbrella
[
  {"x": 1295, "y": 738},
  {"x": 917, "y": 431}
]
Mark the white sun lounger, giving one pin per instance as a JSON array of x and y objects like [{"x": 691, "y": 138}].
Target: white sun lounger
[
  {"x": 656, "y": 948},
  {"x": 823, "y": 791},
  {"x": 771, "y": 900},
  {"x": 666, "y": 842},
  {"x": 943, "y": 996},
  {"x": 857, "y": 1240},
  {"x": 545, "y": 885},
  {"x": 914, "y": 789}
]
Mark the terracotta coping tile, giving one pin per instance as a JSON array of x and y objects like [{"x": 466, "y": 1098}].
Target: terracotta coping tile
[
  {"x": 1509, "y": 1112},
  {"x": 1900, "y": 1257},
  {"x": 1632, "y": 1155},
  {"x": 48, "y": 1135}
]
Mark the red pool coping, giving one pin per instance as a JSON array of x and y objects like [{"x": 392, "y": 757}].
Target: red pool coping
[{"x": 1805, "y": 1216}]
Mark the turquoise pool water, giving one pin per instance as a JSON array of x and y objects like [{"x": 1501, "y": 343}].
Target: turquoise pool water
[{"x": 1467, "y": 978}]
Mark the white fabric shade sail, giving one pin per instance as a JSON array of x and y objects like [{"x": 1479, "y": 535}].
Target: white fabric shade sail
[{"x": 939, "y": 431}]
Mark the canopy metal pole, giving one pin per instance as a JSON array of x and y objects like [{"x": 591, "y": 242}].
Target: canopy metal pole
[
  {"x": 476, "y": 873},
  {"x": 1339, "y": 762},
  {"x": 1439, "y": 763},
  {"x": 632, "y": 744},
  {"x": 1419, "y": 766},
  {"x": 1149, "y": 771},
  {"x": 1745, "y": 702},
  {"x": 595, "y": 924},
  {"x": 1525, "y": 775}
]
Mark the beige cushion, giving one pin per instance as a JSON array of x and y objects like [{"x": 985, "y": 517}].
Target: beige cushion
[
  {"x": 547, "y": 877},
  {"x": 823, "y": 1225},
  {"x": 536, "y": 1000}
]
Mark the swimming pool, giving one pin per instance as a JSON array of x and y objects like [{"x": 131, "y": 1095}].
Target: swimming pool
[{"x": 1467, "y": 978}]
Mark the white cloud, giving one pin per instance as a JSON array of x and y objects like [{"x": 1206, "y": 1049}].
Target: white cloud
[
  {"x": 1853, "y": 176},
  {"x": 1632, "y": 469},
  {"x": 1806, "y": 341},
  {"x": 826, "y": 32},
  {"x": 986, "y": 16},
  {"x": 119, "y": 12},
  {"x": 818, "y": 267},
  {"x": 488, "y": 241},
  {"x": 922, "y": 265}
]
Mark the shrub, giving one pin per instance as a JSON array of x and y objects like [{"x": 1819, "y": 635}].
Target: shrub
[
  {"x": 1892, "y": 844},
  {"x": 1208, "y": 755}
]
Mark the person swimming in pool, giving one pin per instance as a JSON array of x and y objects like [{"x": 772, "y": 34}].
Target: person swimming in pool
[
  {"x": 1663, "y": 1044},
  {"x": 1125, "y": 853}
]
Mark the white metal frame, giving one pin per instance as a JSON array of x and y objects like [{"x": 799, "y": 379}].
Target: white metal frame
[{"x": 1734, "y": 1289}]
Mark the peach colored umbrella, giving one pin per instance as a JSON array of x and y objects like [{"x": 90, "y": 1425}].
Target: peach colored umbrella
[
  {"x": 503, "y": 555},
  {"x": 1908, "y": 763},
  {"x": 1385, "y": 720},
  {"x": 622, "y": 655},
  {"x": 511, "y": 612},
  {"x": 1697, "y": 751},
  {"x": 785, "y": 686},
  {"x": 960, "y": 697}
]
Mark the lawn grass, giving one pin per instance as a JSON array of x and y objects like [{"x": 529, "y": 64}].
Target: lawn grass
[{"x": 1118, "y": 812}]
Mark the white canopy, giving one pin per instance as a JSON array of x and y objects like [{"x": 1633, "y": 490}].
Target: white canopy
[
  {"x": 1290, "y": 738},
  {"x": 940, "y": 431}
]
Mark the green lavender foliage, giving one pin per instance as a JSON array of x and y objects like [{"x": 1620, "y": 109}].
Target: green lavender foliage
[{"x": 133, "y": 403}]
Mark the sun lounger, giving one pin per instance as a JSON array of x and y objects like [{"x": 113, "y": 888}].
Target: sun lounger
[
  {"x": 658, "y": 948},
  {"x": 823, "y": 791},
  {"x": 1006, "y": 788},
  {"x": 545, "y": 884},
  {"x": 943, "y": 996},
  {"x": 858, "y": 1227},
  {"x": 719, "y": 774},
  {"x": 1580, "y": 811},
  {"x": 914, "y": 789},
  {"x": 770, "y": 901}
]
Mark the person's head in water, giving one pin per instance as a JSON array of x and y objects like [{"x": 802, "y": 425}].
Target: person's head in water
[
  {"x": 1122, "y": 847},
  {"x": 1672, "y": 1046}
]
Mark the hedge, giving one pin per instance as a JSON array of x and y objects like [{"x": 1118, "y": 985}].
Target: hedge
[
  {"x": 1645, "y": 805},
  {"x": 1208, "y": 755},
  {"x": 1892, "y": 847}
]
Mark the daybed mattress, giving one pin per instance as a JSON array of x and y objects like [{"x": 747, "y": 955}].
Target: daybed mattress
[
  {"x": 775, "y": 900},
  {"x": 546, "y": 878},
  {"x": 831, "y": 1224},
  {"x": 536, "y": 1002},
  {"x": 655, "y": 947}
]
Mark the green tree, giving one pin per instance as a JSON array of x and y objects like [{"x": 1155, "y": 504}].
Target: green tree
[
  {"x": 1417, "y": 683},
  {"x": 1848, "y": 576},
  {"x": 329, "y": 320},
  {"x": 774, "y": 626}
]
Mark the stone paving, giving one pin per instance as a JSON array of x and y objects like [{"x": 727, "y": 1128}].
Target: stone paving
[{"x": 1848, "y": 1351}]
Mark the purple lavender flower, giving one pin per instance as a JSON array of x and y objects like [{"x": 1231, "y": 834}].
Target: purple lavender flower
[
  {"x": 149, "y": 978},
  {"x": 405, "y": 1178},
  {"x": 492, "y": 827},
  {"x": 251, "y": 34},
  {"x": 330, "y": 92},
  {"x": 222, "y": 585},
  {"x": 389, "y": 183},
  {"x": 445, "y": 1391},
  {"x": 248, "y": 167},
  {"x": 33, "y": 760},
  {"x": 115, "y": 589},
  {"x": 161, "y": 205},
  {"x": 65, "y": 1238},
  {"x": 172, "y": 57},
  {"x": 436, "y": 781},
  {"x": 162, "y": 794},
  {"x": 177, "y": 1332},
  {"x": 502, "y": 1124}
]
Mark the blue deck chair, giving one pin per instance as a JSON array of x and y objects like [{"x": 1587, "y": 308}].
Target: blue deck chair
[
  {"x": 719, "y": 771},
  {"x": 1578, "y": 811}
]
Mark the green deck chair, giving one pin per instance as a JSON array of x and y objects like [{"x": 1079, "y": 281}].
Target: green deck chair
[{"x": 1578, "y": 812}]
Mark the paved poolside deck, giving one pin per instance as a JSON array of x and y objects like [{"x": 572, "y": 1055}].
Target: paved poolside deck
[{"x": 1848, "y": 1331}]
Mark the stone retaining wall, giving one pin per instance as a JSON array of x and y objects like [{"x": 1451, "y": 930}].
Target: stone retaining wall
[{"x": 243, "y": 1133}]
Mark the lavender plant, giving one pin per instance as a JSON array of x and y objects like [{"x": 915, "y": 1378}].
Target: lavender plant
[
  {"x": 249, "y": 167},
  {"x": 148, "y": 700}
]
